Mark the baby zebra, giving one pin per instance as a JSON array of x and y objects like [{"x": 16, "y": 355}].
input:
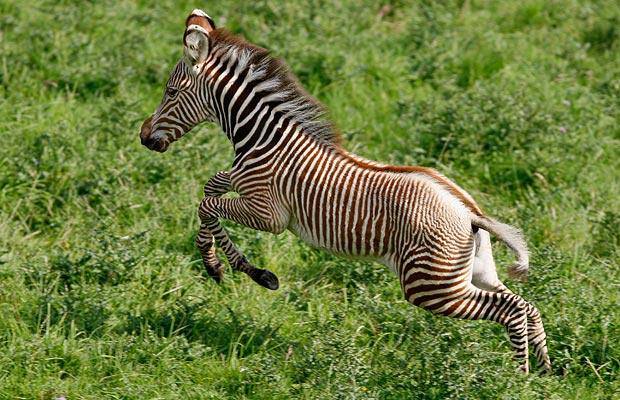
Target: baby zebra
[{"x": 291, "y": 173}]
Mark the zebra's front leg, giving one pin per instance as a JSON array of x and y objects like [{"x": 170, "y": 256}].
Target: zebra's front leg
[
  {"x": 216, "y": 186},
  {"x": 249, "y": 212}
]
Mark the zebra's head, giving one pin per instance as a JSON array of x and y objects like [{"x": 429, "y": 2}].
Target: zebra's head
[{"x": 185, "y": 103}]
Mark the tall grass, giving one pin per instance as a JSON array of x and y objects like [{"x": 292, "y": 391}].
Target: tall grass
[{"x": 102, "y": 293}]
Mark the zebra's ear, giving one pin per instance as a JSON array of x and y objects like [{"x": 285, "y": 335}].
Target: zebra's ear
[
  {"x": 200, "y": 18},
  {"x": 198, "y": 26}
]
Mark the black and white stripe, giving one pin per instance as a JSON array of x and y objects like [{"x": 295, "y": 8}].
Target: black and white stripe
[{"x": 291, "y": 173}]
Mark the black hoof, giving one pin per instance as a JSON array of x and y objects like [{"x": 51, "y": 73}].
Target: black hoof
[
  {"x": 266, "y": 279},
  {"x": 216, "y": 274}
]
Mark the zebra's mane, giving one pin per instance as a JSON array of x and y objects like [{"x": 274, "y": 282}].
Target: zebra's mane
[{"x": 278, "y": 82}]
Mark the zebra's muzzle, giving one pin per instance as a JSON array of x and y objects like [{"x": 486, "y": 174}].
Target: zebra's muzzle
[
  {"x": 152, "y": 142},
  {"x": 155, "y": 144}
]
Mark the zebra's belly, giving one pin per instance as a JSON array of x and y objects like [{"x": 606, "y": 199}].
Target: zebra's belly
[
  {"x": 342, "y": 239},
  {"x": 311, "y": 238},
  {"x": 352, "y": 213}
]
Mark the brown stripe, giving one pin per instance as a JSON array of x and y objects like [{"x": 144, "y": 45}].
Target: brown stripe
[{"x": 204, "y": 22}]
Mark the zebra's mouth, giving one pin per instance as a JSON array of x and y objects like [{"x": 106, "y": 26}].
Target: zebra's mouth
[
  {"x": 159, "y": 146},
  {"x": 157, "y": 141}
]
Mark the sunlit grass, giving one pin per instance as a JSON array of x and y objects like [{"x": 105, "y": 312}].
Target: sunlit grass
[{"x": 102, "y": 293}]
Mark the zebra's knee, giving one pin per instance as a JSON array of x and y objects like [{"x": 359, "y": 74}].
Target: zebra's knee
[
  {"x": 205, "y": 210},
  {"x": 535, "y": 324},
  {"x": 518, "y": 305},
  {"x": 207, "y": 189},
  {"x": 510, "y": 309}
]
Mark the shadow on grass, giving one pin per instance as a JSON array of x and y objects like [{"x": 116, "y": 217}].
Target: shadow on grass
[{"x": 226, "y": 332}]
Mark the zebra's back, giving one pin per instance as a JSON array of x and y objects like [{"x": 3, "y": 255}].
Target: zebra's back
[{"x": 339, "y": 205}]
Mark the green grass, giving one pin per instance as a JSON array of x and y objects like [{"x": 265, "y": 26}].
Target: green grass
[{"x": 102, "y": 294}]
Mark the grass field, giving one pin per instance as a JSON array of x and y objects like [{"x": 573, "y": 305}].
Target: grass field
[{"x": 102, "y": 293}]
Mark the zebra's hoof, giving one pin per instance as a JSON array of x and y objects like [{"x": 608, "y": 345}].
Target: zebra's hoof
[
  {"x": 217, "y": 274},
  {"x": 266, "y": 279}
]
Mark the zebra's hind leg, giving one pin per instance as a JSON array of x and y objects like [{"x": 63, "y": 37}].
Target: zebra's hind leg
[
  {"x": 485, "y": 277},
  {"x": 537, "y": 337},
  {"x": 469, "y": 302}
]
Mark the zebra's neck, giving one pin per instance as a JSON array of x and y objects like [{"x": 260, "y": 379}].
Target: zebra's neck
[{"x": 258, "y": 103}]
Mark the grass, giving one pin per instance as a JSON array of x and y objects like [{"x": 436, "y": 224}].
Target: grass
[{"x": 102, "y": 294}]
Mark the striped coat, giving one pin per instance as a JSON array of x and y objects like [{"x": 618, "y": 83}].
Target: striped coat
[{"x": 291, "y": 172}]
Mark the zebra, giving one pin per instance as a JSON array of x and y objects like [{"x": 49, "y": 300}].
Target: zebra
[{"x": 291, "y": 171}]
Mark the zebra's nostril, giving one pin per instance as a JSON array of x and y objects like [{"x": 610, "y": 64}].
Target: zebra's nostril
[{"x": 147, "y": 141}]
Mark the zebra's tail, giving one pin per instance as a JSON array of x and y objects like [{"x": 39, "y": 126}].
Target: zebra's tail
[{"x": 513, "y": 238}]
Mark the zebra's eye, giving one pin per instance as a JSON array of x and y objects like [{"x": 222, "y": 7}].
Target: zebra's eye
[{"x": 171, "y": 92}]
